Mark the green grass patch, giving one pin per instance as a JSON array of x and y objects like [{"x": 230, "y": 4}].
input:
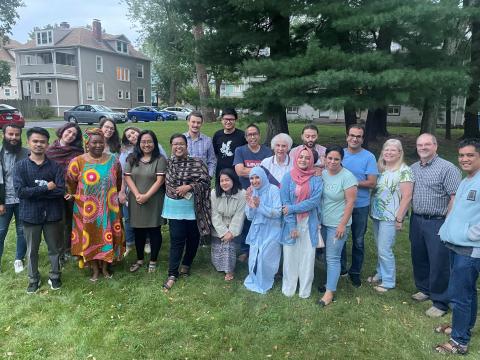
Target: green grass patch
[{"x": 204, "y": 317}]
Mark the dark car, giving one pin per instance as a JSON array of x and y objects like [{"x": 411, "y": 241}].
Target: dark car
[
  {"x": 92, "y": 114},
  {"x": 10, "y": 115},
  {"x": 149, "y": 113}
]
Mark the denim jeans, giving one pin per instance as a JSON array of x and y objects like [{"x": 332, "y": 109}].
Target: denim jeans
[
  {"x": 129, "y": 232},
  {"x": 184, "y": 235},
  {"x": 385, "y": 233},
  {"x": 358, "y": 228},
  {"x": 430, "y": 260},
  {"x": 333, "y": 248},
  {"x": 10, "y": 211},
  {"x": 462, "y": 291}
]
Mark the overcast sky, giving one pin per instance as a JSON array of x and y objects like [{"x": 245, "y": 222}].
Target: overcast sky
[{"x": 112, "y": 14}]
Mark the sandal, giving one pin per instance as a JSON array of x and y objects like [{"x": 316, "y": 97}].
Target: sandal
[
  {"x": 166, "y": 286},
  {"x": 443, "y": 329},
  {"x": 229, "y": 277},
  {"x": 184, "y": 271},
  {"x": 380, "y": 289},
  {"x": 374, "y": 280},
  {"x": 451, "y": 347},
  {"x": 136, "y": 266},
  {"x": 152, "y": 267}
]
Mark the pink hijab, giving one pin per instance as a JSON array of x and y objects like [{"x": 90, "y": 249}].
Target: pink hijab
[{"x": 302, "y": 179}]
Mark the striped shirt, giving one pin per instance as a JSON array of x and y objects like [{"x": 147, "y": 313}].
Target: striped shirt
[
  {"x": 435, "y": 182},
  {"x": 202, "y": 148}
]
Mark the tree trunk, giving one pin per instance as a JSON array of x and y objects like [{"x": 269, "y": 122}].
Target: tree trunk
[
  {"x": 376, "y": 125},
  {"x": 448, "y": 117},
  {"x": 202, "y": 79},
  {"x": 429, "y": 117},
  {"x": 276, "y": 120},
  {"x": 470, "y": 126},
  {"x": 172, "y": 96},
  {"x": 350, "y": 116}
]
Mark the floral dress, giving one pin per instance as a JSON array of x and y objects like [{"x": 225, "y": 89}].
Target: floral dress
[{"x": 97, "y": 232}]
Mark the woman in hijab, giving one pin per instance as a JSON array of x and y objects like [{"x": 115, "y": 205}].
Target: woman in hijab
[
  {"x": 301, "y": 192},
  {"x": 264, "y": 210}
]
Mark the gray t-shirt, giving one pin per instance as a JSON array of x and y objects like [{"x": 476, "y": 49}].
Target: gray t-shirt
[{"x": 9, "y": 163}]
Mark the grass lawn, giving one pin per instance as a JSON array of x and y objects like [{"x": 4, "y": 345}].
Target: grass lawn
[{"x": 129, "y": 317}]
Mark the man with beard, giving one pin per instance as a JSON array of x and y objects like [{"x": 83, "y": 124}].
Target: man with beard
[
  {"x": 10, "y": 153},
  {"x": 309, "y": 139}
]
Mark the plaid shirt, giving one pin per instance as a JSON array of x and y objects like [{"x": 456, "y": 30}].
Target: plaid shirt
[
  {"x": 202, "y": 148},
  {"x": 435, "y": 182},
  {"x": 39, "y": 205}
]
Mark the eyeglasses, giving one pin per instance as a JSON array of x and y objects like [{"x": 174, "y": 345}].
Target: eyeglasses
[
  {"x": 358, "y": 137},
  {"x": 251, "y": 134}
]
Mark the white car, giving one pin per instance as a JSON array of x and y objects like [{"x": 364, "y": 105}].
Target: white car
[{"x": 181, "y": 112}]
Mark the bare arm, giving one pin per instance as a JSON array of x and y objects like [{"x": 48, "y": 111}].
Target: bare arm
[
  {"x": 350, "y": 197},
  {"x": 450, "y": 203},
  {"x": 370, "y": 183},
  {"x": 242, "y": 170},
  {"x": 406, "y": 190}
]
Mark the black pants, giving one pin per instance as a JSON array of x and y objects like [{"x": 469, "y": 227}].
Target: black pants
[
  {"x": 155, "y": 235},
  {"x": 183, "y": 235}
]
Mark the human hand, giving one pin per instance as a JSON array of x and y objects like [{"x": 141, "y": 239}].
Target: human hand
[
  {"x": 340, "y": 231},
  {"x": 256, "y": 201},
  {"x": 141, "y": 199},
  {"x": 182, "y": 190},
  {"x": 68, "y": 197},
  {"x": 122, "y": 197},
  {"x": 285, "y": 210},
  {"x": 398, "y": 226},
  {"x": 51, "y": 185},
  {"x": 227, "y": 237},
  {"x": 294, "y": 234},
  {"x": 3, "y": 209}
]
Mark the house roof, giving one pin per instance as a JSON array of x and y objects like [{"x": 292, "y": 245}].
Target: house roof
[
  {"x": 85, "y": 38},
  {"x": 6, "y": 50}
]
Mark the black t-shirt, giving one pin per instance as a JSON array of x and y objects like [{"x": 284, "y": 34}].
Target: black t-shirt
[{"x": 225, "y": 145}]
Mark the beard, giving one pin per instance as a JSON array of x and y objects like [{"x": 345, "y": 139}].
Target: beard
[{"x": 12, "y": 148}]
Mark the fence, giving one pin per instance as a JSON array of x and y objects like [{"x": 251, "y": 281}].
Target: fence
[{"x": 28, "y": 107}]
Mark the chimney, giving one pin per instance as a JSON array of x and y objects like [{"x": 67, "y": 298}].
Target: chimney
[
  {"x": 64, "y": 25},
  {"x": 97, "y": 29}
]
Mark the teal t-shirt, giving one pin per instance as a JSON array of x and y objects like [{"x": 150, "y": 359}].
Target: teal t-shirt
[{"x": 333, "y": 197}]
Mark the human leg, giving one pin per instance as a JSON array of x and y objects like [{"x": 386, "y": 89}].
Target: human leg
[
  {"x": 358, "y": 229},
  {"x": 419, "y": 251},
  {"x": 290, "y": 269},
  {"x": 4, "y": 224},
  {"x": 140, "y": 238},
  {"x": 178, "y": 236},
  {"x": 385, "y": 239},
  {"x": 155, "y": 235},
  {"x": 52, "y": 232},
  {"x": 306, "y": 264},
  {"x": 129, "y": 231},
  {"x": 193, "y": 240},
  {"x": 33, "y": 237},
  {"x": 333, "y": 249},
  {"x": 439, "y": 260}
]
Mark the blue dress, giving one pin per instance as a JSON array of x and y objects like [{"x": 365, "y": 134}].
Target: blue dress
[{"x": 264, "y": 235}]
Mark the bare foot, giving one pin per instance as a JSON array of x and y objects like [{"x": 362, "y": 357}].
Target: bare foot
[{"x": 229, "y": 276}]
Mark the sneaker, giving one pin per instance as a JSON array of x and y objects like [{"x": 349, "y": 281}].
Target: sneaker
[
  {"x": 435, "y": 312},
  {"x": 147, "y": 249},
  {"x": 33, "y": 287},
  {"x": 128, "y": 249},
  {"x": 344, "y": 273},
  {"x": 355, "y": 279},
  {"x": 420, "y": 296},
  {"x": 18, "y": 265},
  {"x": 55, "y": 284}
]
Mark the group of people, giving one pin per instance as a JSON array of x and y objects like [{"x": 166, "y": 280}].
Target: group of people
[{"x": 270, "y": 206}]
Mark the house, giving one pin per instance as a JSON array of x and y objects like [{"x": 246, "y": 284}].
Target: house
[
  {"x": 9, "y": 91},
  {"x": 71, "y": 66}
]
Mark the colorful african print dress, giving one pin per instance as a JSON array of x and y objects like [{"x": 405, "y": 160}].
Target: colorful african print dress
[{"x": 97, "y": 232}]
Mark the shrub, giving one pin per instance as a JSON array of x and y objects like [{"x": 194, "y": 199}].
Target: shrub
[{"x": 45, "y": 112}]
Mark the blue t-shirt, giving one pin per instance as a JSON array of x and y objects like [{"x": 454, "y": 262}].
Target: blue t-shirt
[
  {"x": 361, "y": 165},
  {"x": 249, "y": 159}
]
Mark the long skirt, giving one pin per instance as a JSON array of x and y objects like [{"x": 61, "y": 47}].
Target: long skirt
[{"x": 224, "y": 254}]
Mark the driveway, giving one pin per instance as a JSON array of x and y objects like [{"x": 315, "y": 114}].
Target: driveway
[{"x": 47, "y": 124}]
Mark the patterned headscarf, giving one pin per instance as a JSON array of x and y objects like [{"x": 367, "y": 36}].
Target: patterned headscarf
[{"x": 88, "y": 133}]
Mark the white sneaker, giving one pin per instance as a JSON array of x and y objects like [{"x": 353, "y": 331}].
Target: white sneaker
[
  {"x": 147, "y": 249},
  {"x": 18, "y": 265}
]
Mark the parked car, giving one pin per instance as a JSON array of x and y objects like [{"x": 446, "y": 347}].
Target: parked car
[
  {"x": 10, "y": 115},
  {"x": 149, "y": 113},
  {"x": 92, "y": 114},
  {"x": 181, "y": 112}
]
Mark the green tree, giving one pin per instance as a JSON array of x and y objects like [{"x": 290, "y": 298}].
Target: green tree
[
  {"x": 4, "y": 73},
  {"x": 8, "y": 15}
]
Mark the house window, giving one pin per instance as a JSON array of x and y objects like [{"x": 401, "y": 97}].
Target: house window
[
  {"x": 393, "y": 110},
  {"x": 90, "y": 94},
  {"x": 122, "y": 47},
  {"x": 36, "y": 87},
  {"x": 141, "y": 95},
  {"x": 123, "y": 74},
  {"x": 292, "y": 109},
  {"x": 140, "y": 71},
  {"x": 48, "y": 87},
  {"x": 99, "y": 61},
  {"x": 100, "y": 91},
  {"x": 44, "y": 58},
  {"x": 120, "y": 94},
  {"x": 65, "y": 59},
  {"x": 6, "y": 91},
  {"x": 28, "y": 60},
  {"x": 127, "y": 94},
  {"x": 44, "y": 37}
]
